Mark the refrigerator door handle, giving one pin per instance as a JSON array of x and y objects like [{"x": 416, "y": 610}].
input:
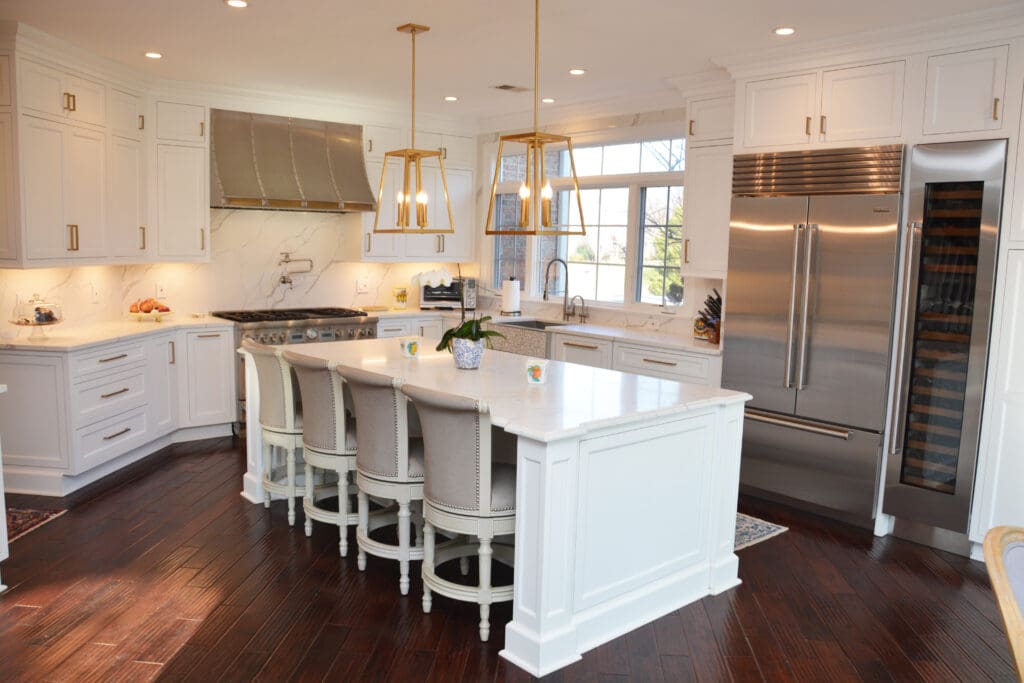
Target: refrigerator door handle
[
  {"x": 834, "y": 432},
  {"x": 801, "y": 364},
  {"x": 906, "y": 345},
  {"x": 790, "y": 328}
]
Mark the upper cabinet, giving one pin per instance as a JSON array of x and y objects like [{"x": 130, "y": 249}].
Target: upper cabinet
[
  {"x": 710, "y": 121},
  {"x": 861, "y": 103},
  {"x": 458, "y": 151},
  {"x": 127, "y": 115},
  {"x": 706, "y": 220},
  {"x": 58, "y": 94},
  {"x": 779, "y": 111},
  {"x": 377, "y": 140},
  {"x": 182, "y": 203},
  {"x": 834, "y": 105},
  {"x": 965, "y": 91},
  {"x": 176, "y": 122}
]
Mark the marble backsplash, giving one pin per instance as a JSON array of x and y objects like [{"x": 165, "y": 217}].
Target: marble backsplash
[{"x": 243, "y": 272}]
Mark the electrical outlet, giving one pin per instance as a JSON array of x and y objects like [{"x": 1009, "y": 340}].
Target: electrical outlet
[
  {"x": 95, "y": 294},
  {"x": 362, "y": 285},
  {"x": 161, "y": 290}
]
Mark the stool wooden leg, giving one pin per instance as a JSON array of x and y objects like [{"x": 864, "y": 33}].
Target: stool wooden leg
[
  {"x": 290, "y": 455},
  {"x": 268, "y": 470},
  {"x": 417, "y": 523},
  {"x": 363, "y": 527},
  {"x": 403, "y": 547},
  {"x": 428, "y": 562},
  {"x": 484, "y": 554},
  {"x": 308, "y": 497},
  {"x": 343, "y": 507}
]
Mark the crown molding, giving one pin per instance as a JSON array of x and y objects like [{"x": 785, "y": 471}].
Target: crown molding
[
  {"x": 999, "y": 23},
  {"x": 711, "y": 82}
]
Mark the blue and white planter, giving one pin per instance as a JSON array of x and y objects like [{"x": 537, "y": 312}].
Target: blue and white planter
[{"x": 467, "y": 353}]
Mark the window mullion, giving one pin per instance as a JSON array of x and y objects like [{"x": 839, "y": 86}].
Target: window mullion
[{"x": 633, "y": 253}]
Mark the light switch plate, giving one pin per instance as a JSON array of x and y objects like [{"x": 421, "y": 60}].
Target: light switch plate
[
  {"x": 362, "y": 285},
  {"x": 161, "y": 290}
]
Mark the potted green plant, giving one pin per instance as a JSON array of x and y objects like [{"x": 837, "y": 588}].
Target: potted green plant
[{"x": 466, "y": 342}]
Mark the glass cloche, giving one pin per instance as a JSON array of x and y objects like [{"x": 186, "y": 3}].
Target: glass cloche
[{"x": 37, "y": 313}]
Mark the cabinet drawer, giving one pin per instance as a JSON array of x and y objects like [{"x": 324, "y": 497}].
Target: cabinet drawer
[
  {"x": 394, "y": 328},
  {"x": 582, "y": 350},
  {"x": 106, "y": 440},
  {"x": 106, "y": 359},
  {"x": 104, "y": 397},
  {"x": 682, "y": 367}
]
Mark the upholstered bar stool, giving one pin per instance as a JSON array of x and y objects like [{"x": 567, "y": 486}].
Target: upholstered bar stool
[
  {"x": 328, "y": 440},
  {"x": 280, "y": 423},
  {"x": 389, "y": 465},
  {"x": 468, "y": 489}
]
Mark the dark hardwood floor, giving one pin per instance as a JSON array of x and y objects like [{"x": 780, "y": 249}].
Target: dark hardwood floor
[{"x": 174, "y": 576}]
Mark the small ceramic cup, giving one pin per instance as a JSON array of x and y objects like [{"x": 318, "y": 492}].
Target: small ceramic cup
[
  {"x": 410, "y": 347},
  {"x": 536, "y": 370}
]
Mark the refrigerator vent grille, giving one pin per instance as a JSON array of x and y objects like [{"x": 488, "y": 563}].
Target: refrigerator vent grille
[{"x": 854, "y": 170}]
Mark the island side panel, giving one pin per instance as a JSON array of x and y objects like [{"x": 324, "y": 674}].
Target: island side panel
[{"x": 726, "y": 485}]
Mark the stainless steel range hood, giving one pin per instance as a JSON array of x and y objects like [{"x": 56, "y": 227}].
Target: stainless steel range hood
[{"x": 277, "y": 162}]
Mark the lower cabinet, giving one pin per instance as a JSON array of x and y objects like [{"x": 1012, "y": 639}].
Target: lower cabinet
[
  {"x": 208, "y": 392},
  {"x": 582, "y": 350},
  {"x": 681, "y": 366},
  {"x": 429, "y": 327}
]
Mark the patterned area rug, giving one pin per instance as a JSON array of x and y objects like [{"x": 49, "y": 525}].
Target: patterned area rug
[
  {"x": 751, "y": 530},
  {"x": 20, "y": 521}
]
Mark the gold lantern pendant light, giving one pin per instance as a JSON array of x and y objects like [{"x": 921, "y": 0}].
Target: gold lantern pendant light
[
  {"x": 535, "y": 218},
  {"x": 413, "y": 197}
]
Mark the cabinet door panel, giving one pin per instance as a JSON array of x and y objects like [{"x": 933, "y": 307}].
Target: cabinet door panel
[
  {"x": 459, "y": 246},
  {"x": 125, "y": 115},
  {"x": 458, "y": 151},
  {"x": 177, "y": 122},
  {"x": 43, "y": 184},
  {"x": 162, "y": 373},
  {"x": 211, "y": 378},
  {"x": 9, "y": 223},
  {"x": 778, "y": 111},
  {"x": 5, "y": 81},
  {"x": 34, "y": 421},
  {"x": 182, "y": 206},
  {"x": 380, "y": 139},
  {"x": 708, "y": 195},
  {"x": 84, "y": 190},
  {"x": 125, "y": 208},
  {"x": 965, "y": 91},
  {"x": 381, "y": 245},
  {"x": 88, "y": 99},
  {"x": 40, "y": 88},
  {"x": 862, "y": 102},
  {"x": 711, "y": 120}
]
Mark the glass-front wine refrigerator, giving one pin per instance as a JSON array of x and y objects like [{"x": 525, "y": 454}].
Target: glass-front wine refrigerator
[{"x": 955, "y": 192}]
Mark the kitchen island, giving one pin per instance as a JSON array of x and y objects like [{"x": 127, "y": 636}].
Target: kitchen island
[{"x": 626, "y": 489}]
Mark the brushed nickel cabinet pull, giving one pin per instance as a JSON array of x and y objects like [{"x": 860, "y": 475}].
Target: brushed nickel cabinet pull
[
  {"x": 117, "y": 434},
  {"x": 589, "y": 347},
  {"x": 174, "y": 355},
  {"x": 142, "y": 234},
  {"x": 117, "y": 357},
  {"x": 689, "y": 129},
  {"x": 115, "y": 393},
  {"x": 216, "y": 335},
  {"x": 368, "y": 242},
  {"x": 202, "y": 128},
  {"x": 686, "y": 250},
  {"x": 369, "y": 145},
  {"x": 142, "y": 122},
  {"x": 995, "y": 109},
  {"x": 807, "y": 125},
  {"x": 659, "y": 362},
  {"x": 821, "y": 127}
]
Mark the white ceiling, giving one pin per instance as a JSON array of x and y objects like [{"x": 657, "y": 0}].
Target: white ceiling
[{"x": 350, "y": 49}]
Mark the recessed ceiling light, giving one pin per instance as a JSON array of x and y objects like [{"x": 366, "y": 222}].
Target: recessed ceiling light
[
  {"x": 154, "y": 55},
  {"x": 451, "y": 98},
  {"x": 785, "y": 31},
  {"x": 547, "y": 100},
  {"x": 577, "y": 72},
  {"x": 237, "y": 4}
]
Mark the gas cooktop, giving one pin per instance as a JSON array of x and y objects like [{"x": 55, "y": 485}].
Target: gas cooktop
[{"x": 283, "y": 314}]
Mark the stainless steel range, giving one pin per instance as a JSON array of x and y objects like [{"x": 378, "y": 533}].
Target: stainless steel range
[{"x": 295, "y": 326}]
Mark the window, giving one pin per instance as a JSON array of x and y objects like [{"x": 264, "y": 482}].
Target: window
[{"x": 632, "y": 200}]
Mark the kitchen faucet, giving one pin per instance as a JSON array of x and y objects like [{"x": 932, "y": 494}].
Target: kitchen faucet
[
  {"x": 571, "y": 311},
  {"x": 565, "y": 294}
]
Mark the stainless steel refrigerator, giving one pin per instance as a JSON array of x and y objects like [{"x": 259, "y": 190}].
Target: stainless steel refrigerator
[{"x": 808, "y": 321}]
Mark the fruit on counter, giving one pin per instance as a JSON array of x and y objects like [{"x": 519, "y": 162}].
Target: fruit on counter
[{"x": 148, "y": 306}]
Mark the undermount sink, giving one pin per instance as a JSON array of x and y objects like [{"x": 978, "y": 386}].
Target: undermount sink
[{"x": 531, "y": 324}]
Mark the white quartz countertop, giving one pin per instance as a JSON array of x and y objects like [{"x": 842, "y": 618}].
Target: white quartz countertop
[
  {"x": 575, "y": 400},
  {"x": 71, "y": 337}
]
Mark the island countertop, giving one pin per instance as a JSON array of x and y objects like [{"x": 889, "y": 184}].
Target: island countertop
[{"x": 576, "y": 399}]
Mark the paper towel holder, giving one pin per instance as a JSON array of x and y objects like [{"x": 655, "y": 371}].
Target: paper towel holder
[{"x": 505, "y": 300}]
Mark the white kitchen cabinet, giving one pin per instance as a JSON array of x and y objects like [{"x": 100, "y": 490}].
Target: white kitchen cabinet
[
  {"x": 63, "y": 189},
  {"x": 127, "y": 115},
  {"x": 861, "y": 103},
  {"x": 4, "y": 552},
  {"x": 582, "y": 350},
  {"x": 9, "y": 222},
  {"x": 694, "y": 368},
  {"x": 381, "y": 246},
  {"x": 126, "y": 229},
  {"x": 965, "y": 91},
  {"x": 428, "y": 328},
  {"x": 178, "y": 122},
  {"x": 710, "y": 121},
  {"x": 457, "y": 151},
  {"x": 61, "y": 95},
  {"x": 208, "y": 395},
  {"x": 35, "y": 427},
  {"x": 394, "y": 327},
  {"x": 162, "y": 379},
  {"x": 5, "y": 81},
  {"x": 377, "y": 140},
  {"x": 183, "y": 206},
  {"x": 779, "y": 111},
  {"x": 708, "y": 198}
]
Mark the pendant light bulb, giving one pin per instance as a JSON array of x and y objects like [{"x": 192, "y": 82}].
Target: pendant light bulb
[
  {"x": 546, "y": 193},
  {"x": 524, "y": 205}
]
